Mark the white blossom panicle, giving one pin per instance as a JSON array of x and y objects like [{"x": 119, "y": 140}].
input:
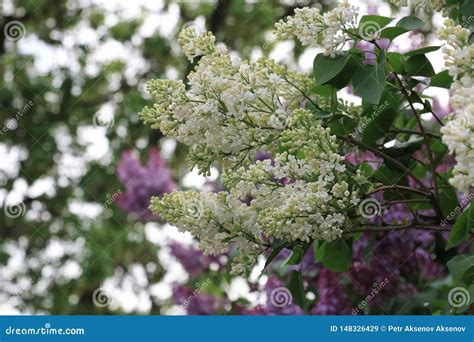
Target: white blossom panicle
[
  {"x": 231, "y": 109},
  {"x": 328, "y": 30},
  {"x": 300, "y": 195},
  {"x": 216, "y": 220},
  {"x": 458, "y": 133},
  {"x": 196, "y": 45}
]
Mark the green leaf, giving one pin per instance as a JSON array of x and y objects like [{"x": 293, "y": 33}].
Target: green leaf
[
  {"x": 296, "y": 255},
  {"x": 467, "y": 10},
  {"x": 327, "y": 68},
  {"x": 468, "y": 276},
  {"x": 448, "y": 201},
  {"x": 323, "y": 90},
  {"x": 379, "y": 118},
  {"x": 277, "y": 247},
  {"x": 458, "y": 265},
  {"x": 369, "y": 82},
  {"x": 397, "y": 61},
  {"x": 296, "y": 287},
  {"x": 370, "y": 24},
  {"x": 422, "y": 51},
  {"x": 439, "y": 149},
  {"x": 345, "y": 76},
  {"x": 318, "y": 251},
  {"x": 388, "y": 176},
  {"x": 392, "y": 32},
  {"x": 343, "y": 125},
  {"x": 411, "y": 23},
  {"x": 419, "y": 65},
  {"x": 461, "y": 228},
  {"x": 376, "y": 19},
  {"x": 336, "y": 255},
  {"x": 442, "y": 80}
]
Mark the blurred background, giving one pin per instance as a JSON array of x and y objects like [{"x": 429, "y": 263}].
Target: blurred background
[{"x": 77, "y": 167}]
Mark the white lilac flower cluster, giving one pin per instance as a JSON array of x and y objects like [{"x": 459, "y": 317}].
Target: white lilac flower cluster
[
  {"x": 216, "y": 220},
  {"x": 328, "y": 30},
  {"x": 194, "y": 44},
  {"x": 458, "y": 133},
  {"x": 300, "y": 195},
  {"x": 230, "y": 110}
]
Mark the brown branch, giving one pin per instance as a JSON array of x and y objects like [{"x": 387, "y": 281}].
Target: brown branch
[
  {"x": 399, "y": 227},
  {"x": 384, "y": 156},
  {"x": 398, "y": 187}
]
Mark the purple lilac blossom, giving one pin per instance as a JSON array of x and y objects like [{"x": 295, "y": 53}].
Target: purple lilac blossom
[
  {"x": 259, "y": 310},
  {"x": 360, "y": 157},
  {"x": 262, "y": 155},
  {"x": 191, "y": 258},
  {"x": 368, "y": 49},
  {"x": 400, "y": 260},
  {"x": 333, "y": 298},
  {"x": 142, "y": 182}
]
